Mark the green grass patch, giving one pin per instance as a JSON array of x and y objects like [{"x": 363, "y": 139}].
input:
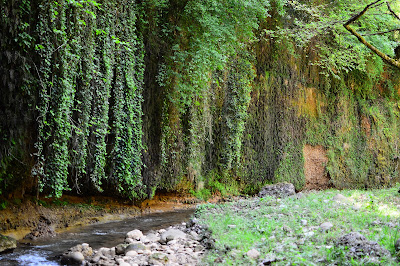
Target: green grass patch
[
  {"x": 287, "y": 230},
  {"x": 203, "y": 194}
]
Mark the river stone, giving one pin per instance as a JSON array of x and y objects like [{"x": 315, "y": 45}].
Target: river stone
[
  {"x": 134, "y": 234},
  {"x": 325, "y": 226},
  {"x": 84, "y": 248},
  {"x": 192, "y": 222},
  {"x": 195, "y": 236},
  {"x": 198, "y": 248},
  {"x": 173, "y": 244},
  {"x": 131, "y": 253},
  {"x": 135, "y": 247},
  {"x": 280, "y": 190},
  {"x": 172, "y": 234},
  {"x": 151, "y": 238},
  {"x": 129, "y": 240},
  {"x": 96, "y": 258},
  {"x": 112, "y": 251},
  {"x": 72, "y": 258},
  {"x": 158, "y": 256},
  {"x": 147, "y": 252},
  {"x": 121, "y": 262},
  {"x": 120, "y": 249},
  {"x": 106, "y": 252},
  {"x": 7, "y": 243}
]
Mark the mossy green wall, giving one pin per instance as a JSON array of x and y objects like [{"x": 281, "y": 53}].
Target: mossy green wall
[{"x": 124, "y": 98}]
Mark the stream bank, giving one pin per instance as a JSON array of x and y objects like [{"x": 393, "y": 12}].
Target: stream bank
[
  {"x": 47, "y": 217},
  {"x": 47, "y": 251}
]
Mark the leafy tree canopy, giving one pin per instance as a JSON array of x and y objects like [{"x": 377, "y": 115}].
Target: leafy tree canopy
[{"x": 306, "y": 23}]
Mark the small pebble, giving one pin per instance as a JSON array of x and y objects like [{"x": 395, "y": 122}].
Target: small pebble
[
  {"x": 325, "y": 226},
  {"x": 253, "y": 254},
  {"x": 309, "y": 234}
]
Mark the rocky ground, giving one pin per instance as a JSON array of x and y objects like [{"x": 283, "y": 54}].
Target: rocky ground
[
  {"x": 281, "y": 227},
  {"x": 183, "y": 244}
]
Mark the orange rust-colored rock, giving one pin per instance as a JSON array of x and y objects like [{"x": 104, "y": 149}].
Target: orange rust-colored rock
[
  {"x": 366, "y": 125},
  {"x": 315, "y": 161}
]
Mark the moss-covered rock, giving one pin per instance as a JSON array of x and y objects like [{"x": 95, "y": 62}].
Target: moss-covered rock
[{"x": 7, "y": 243}]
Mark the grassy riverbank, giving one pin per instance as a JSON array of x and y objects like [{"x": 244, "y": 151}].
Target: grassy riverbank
[{"x": 288, "y": 231}]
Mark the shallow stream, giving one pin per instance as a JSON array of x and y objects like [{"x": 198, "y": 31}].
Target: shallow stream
[{"x": 47, "y": 251}]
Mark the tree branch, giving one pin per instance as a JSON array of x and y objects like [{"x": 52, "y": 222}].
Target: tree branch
[
  {"x": 392, "y": 12},
  {"x": 382, "y": 55},
  {"x": 380, "y": 33},
  {"x": 357, "y": 16}
]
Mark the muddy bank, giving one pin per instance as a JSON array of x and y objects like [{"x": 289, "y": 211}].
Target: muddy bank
[{"x": 46, "y": 217}]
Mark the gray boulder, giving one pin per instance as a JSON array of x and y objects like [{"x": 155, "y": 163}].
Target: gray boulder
[
  {"x": 84, "y": 248},
  {"x": 120, "y": 249},
  {"x": 72, "y": 258},
  {"x": 77, "y": 254},
  {"x": 135, "y": 247},
  {"x": 172, "y": 234},
  {"x": 134, "y": 234},
  {"x": 107, "y": 252},
  {"x": 280, "y": 190},
  {"x": 150, "y": 238},
  {"x": 7, "y": 243}
]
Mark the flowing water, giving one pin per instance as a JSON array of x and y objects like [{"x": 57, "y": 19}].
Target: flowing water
[{"x": 47, "y": 251}]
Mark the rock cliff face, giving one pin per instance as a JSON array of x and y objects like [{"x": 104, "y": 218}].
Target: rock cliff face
[{"x": 126, "y": 97}]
